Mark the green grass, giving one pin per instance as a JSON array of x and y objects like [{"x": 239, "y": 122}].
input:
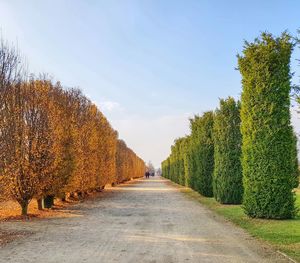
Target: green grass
[{"x": 283, "y": 235}]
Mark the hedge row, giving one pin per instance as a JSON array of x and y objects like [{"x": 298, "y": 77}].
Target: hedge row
[
  {"x": 268, "y": 140},
  {"x": 246, "y": 151},
  {"x": 54, "y": 141},
  {"x": 204, "y": 160}
]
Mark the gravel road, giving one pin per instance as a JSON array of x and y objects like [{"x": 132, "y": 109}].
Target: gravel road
[{"x": 147, "y": 220}]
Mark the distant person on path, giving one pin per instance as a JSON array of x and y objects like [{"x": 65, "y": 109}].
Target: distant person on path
[{"x": 147, "y": 174}]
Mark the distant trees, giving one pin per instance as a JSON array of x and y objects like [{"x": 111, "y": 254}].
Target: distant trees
[
  {"x": 54, "y": 141},
  {"x": 165, "y": 168},
  {"x": 246, "y": 152},
  {"x": 128, "y": 164},
  {"x": 187, "y": 160},
  {"x": 94, "y": 146},
  {"x": 150, "y": 167},
  {"x": 174, "y": 170},
  {"x": 191, "y": 161},
  {"x": 202, "y": 134}
]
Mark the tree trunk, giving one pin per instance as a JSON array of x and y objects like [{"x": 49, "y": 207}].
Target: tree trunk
[
  {"x": 24, "y": 207},
  {"x": 61, "y": 196},
  {"x": 40, "y": 203},
  {"x": 49, "y": 201}
]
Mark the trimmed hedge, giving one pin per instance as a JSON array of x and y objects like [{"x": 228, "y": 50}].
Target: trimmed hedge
[
  {"x": 268, "y": 142},
  {"x": 187, "y": 154},
  {"x": 295, "y": 162},
  {"x": 227, "y": 177},
  {"x": 174, "y": 168},
  {"x": 203, "y": 148},
  {"x": 246, "y": 151},
  {"x": 191, "y": 161}
]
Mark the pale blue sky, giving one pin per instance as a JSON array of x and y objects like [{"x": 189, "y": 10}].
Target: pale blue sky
[{"x": 148, "y": 64}]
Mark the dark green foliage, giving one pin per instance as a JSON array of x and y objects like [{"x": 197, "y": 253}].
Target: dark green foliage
[
  {"x": 203, "y": 153},
  {"x": 187, "y": 160},
  {"x": 191, "y": 161},
  {"x": 181, "y": 169},
  {"x": 165, "y": 168},
  {"x": 173, "y": 168},
  {"x": 267, "y": 144},
  {"x": 295, "y": 162},
  {"x": 227, "y": 177},
  {"x": 261, "y": 157}
]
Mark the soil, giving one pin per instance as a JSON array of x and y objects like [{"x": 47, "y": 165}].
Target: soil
[{"x": 145, "y": 220}]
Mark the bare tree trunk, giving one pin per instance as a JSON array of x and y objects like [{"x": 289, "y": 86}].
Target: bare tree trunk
[
  {"x": 40, "y": 203},
  {"x": 49, "y": 201},
  {"x": 63, "y": 197},
  {"x": 24, "y": 207}
]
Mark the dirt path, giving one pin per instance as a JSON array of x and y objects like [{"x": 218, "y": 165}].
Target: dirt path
[{"x": 142, "y": 221}]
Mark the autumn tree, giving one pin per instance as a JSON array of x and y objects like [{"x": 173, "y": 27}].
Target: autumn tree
[
  {"x": 28, "y": 145},
  {"x": 62, "y": 124},
  {"x": 10, "y": 76},
  {"x": 41, "y": 153},
  {"x": 128, "y": 164},
  {"x": 53, "y": 140}
]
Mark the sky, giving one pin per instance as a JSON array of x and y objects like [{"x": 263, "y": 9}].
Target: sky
[{"x": 149, "y": 65}]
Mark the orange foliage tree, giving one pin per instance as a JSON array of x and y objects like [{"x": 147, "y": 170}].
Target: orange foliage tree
[
  {"x": 129, "y": 165},
  {"x": 54, "y": 141}
]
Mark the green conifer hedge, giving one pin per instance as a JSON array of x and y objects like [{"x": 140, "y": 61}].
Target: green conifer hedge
[
  {"x": 202, "y": 136},
  {"x": 227, "y": 177},
  {"x": 267, "y": 135}
]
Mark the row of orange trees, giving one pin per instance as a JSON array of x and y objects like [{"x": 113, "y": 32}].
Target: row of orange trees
[
  {"x": 245, "y": 151},
  {"x": 54, "y": 141}
]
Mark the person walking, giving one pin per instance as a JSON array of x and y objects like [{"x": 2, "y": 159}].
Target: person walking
[{"x": 147, "y": 174}]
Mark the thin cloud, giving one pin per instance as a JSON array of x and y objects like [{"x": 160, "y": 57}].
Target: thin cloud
[{"x": 110, "y": 106}]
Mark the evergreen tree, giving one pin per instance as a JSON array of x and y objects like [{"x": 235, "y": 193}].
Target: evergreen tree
[
  {"x": 267, "y": 135},
  {"x": 203, "y": 154},
  {"x": 227, "y": 179}
]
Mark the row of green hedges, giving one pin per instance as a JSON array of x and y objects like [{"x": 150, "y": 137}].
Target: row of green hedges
[
  {"x": 208, "y": 160},
  {"x": 246, "y": 151}
]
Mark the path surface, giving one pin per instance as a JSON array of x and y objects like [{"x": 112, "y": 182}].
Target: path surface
[{"x": 142, "y": 221}]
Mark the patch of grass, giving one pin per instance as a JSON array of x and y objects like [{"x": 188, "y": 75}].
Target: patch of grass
[{"x": 283, "y": 235}]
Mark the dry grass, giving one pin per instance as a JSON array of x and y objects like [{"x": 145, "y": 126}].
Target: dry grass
[{"x": 10, "y": 210}]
